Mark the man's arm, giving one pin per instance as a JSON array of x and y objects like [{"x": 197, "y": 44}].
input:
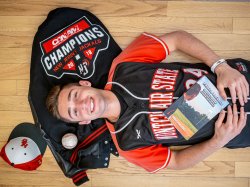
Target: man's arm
[
  {"x": 187, "y": 43},
  {"x": 227, "y": 77},
  {"x": 224, "y": 132}
]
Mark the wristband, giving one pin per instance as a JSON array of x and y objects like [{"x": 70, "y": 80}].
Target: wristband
[{"x": 217, "y": 63}]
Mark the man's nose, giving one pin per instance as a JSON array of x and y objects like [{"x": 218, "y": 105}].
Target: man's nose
[{"x": 80, "y": 104}]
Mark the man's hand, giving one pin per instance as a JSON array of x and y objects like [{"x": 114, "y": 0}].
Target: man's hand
[
  {"x": 228, "y": 77},
  {"x": 224, "y": 132}
]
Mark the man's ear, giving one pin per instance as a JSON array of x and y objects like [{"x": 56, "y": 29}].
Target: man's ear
[
  {"x": 84, "y": 122},
  {"x": 84, "y": 83}
]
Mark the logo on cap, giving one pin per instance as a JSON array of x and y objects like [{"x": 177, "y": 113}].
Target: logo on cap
[{"x": 25, "y": 147}]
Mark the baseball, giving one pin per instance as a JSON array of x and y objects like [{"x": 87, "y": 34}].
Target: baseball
[{"x": 69, "y": 140}]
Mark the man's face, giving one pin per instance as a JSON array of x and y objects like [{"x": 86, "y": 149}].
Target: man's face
[{"x": 81, "y": 103}]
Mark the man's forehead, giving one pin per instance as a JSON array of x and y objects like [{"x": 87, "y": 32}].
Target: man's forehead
[
  {"x": 66, "y": 94},
  {"x": 63, "y": 101},
  {"x": 66, "y": 91}
]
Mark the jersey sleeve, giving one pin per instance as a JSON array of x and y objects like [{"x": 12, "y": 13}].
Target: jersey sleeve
[
  {"x": 146, "y": 48},
  {"x": 151, "y": 158}
]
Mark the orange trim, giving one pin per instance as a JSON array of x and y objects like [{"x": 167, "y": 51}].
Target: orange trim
[{"x": 90, "y": 138}]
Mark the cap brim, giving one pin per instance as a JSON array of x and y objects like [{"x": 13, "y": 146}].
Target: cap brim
[{"x": 31, "y": 131}]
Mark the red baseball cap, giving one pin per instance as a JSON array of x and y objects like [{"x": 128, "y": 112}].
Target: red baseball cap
[{"x": 25, "y": 147}]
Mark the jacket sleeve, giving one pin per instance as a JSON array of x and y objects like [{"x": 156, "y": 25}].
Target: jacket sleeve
[
  {"x": 77, "y": 175},
  {"x": 91, "y": 153}
]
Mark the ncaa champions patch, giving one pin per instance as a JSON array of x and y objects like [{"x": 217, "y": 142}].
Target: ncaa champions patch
[{"x": 74, "y": 49}]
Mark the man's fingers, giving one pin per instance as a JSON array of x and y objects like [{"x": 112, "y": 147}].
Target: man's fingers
[
  {"x": 235, "y": 114},
  {"x": 233, "y": 93},
  {"x": 244, "y": 92},
  {"x": 246, "y": 85},
  {"x": 243, "y": 119},
  {"x": 222, "y": 92},
  {"x": 220, "y": 118},
  {"x": 229, "y": 114},
  {"x": 239, "y": 93}
]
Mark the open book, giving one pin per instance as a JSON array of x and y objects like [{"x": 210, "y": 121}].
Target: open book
[{"x": 196, "y": 107}]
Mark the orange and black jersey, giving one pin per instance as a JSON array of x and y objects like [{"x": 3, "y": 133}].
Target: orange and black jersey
[{"x": 145, "y": 88}]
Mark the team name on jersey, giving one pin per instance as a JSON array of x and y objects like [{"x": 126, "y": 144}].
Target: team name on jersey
[
  {"x": 161, "y": 126},
  {"x": 164, "y": 80},
  {"x": 161, "y": 97}
]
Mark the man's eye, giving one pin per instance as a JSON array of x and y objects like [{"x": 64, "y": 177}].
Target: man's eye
[{"x": 75, "y": 94}]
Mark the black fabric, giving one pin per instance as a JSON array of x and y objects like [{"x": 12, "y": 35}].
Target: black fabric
[
  {"x": 138, "y": 78},
  {"x": 122, "y": 103},
  {"x": 243, "y": 139},
  {"x": 138, "y": 84},
  {"x": 70, "y": 45}
]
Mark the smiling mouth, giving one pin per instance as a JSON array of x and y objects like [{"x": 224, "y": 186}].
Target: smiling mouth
[{"x": 91, "y": 105}]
